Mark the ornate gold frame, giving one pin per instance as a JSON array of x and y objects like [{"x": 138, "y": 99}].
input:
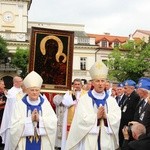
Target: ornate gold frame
[{"x": 51, "y": 55}]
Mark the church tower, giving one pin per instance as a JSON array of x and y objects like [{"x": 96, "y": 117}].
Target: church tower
[
  {"x": 14, "y": 29},
  {"x": 14, "y": 19}
]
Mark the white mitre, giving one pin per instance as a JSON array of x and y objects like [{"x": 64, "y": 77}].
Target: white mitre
[
  {"x": 98, "y": 70},
  {"x": 33, "y": 79}
]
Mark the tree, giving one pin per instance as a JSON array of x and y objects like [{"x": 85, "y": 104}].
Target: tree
[
  {"x": 20, "y": 60},
  {"x": 3, "y": 49},
  {"x": 131, "y": 63}
]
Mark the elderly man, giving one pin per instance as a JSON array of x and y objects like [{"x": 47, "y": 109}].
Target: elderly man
[
  {"x": 142, "y": 114},
  {"x": 96, "y": 121},
  {"x": 121, "y": 97},
  {"x": 128, "y": 107},
  {"x": 140, "y": 141},
  {"x": 17, "y": 82},
  {"x": 34, "y": 123}
]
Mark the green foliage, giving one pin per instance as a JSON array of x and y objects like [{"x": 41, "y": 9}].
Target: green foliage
[
  {"x": 3, "y": 48},
  {"x": 132, "y": 63},
  {"x": 20, "y": 60}
]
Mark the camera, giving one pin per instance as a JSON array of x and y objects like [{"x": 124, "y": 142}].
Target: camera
[{"x": 129, "y": 131}]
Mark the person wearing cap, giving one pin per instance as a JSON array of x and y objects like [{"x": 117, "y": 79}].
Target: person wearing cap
[
  {"x": 33, "y": 122},
  {"x": 128, "y": 108},
  {"x": 121, "y": 97},
  {"x": 96, "y": 120},
  {"x": 143, "y": 110}
]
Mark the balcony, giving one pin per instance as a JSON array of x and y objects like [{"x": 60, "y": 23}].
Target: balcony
[
  {"x": 6, "y": 65},
  {"x": 7, "y": 68},
  {"x": 81, "y": 73},
  {"x": 14, "y": 36}
]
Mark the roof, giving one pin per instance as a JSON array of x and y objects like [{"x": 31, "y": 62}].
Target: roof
[
  {"x": 143, "y": 31},
  {"x": 108, "y": 37},
  {"x": 80, "y": 34}
]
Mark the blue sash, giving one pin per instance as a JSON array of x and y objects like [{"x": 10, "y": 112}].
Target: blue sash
[
  {"x": 98, "y": 102},
  {"x": 33, "y": 143}
]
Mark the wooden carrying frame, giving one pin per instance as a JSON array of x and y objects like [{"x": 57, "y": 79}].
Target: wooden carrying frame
[{"x": 51, "y": 56}]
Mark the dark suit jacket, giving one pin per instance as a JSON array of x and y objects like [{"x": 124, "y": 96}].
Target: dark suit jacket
[
  {"x": 137, "y": 110},
  {"x": 130, "y": 105},
  {"x": 124, "y": 97},
  {"x": 142, "y": 144},
  {"x": 128, "y": 109},
  {"x": 144, "y": 117}
]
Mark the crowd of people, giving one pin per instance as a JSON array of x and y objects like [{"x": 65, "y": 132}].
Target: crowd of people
[{"x": 93, "y": 115}]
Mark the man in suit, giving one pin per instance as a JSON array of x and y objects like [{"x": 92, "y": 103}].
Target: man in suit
[
  {"x": 142, "y": 114},
  {"x": 128, "y": 107},
  {"x": 121, "y": 97},
  {"x": 108, "y": 87},
  {"x": 140, "y": 141}
]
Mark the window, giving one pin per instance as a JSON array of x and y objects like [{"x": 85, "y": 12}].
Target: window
[
  {"x": 83, "y": 63},
  {"x": 82, "y": 40},
  {"x": 116, "y": 44},
  {"x": 105, "y": 62},
  {"x": 104, "y": 43}
]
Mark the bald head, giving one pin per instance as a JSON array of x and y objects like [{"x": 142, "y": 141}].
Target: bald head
[
  {"x": 137, "y": 130},
  {"x": 17, "y": 81}
]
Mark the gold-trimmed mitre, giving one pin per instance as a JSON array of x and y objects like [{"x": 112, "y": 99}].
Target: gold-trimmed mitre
[
  {"x": 98, "y": 70},
  {"x": 33, "y": 79}
]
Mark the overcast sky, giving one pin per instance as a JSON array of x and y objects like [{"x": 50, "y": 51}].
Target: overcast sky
[{"x": 117, "y": 17}]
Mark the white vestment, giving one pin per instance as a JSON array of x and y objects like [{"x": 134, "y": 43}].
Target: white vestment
[
  {"x": 21, "y": 126},
  {"x": 5, "y": 125},
  {"x": 68, "y": 102},
  {"x": 84, "y": 131},
  {"x": 13, "y": 92}
]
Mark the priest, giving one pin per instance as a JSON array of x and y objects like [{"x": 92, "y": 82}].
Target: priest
[
  {"x": 96, "y": 122},
  {"x": 33, "y": 123}
]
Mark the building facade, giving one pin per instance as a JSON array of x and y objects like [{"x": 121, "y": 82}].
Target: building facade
[{"x": 16, "y": 29}]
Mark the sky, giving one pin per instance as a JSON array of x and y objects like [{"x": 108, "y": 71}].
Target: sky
[{"x": 117, "y": 17}]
